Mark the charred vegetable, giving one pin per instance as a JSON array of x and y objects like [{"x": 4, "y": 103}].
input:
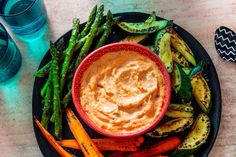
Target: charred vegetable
[
  {"x": 179, "y": 58},
  {"x": 142, "y": 27},
  {"x": 171, "y": 127},
  {"x": 151, "y": 18},
  {"x": 57, "y": 110},
  {"x": 69, "y": 53},
  {"x": 195, "y": 138},
  {"x": 201, "y": 92},
  {"x": 179, "y": 110},
  {"x": 182, "y": 47},
  {"x": 163, "y": 49}
]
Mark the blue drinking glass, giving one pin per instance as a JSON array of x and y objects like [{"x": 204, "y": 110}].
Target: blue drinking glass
[
  {"x": 10, "y": 57},
  {"x": 24, "y": 17}
]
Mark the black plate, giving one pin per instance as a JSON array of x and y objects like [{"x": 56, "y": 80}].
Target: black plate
[{"x": 200, "y": 54}]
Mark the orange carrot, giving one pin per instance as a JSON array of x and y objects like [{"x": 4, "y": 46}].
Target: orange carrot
[
  {"x": 158, "y": 148},
  {"x": 52, "y": 141},
  {"x": 102, "y": 144},
  {"x": 108, "y": 144},
  {"x": 87, "y": 146}
]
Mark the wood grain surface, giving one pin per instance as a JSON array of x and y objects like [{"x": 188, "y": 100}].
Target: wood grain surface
[{"x": 199, "y": 17}]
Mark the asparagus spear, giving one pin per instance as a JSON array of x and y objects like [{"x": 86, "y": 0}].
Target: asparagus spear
[
  {"x": 43, "y": 71},
  {"x": 57, "y": 112},
  {"x": 47, "y": 103},
  {"x": 89, "y": 22},
  {"x": 108, "y": 25},
  {"x": 46, "y": 68},
  {"x": 107, "y": 30},
  {"x": 80, "y": 42},
  {"x": 67, "y": 98},
  {"x": 69, "y": 53},
  {"x": 44, "y": 89},
  {"x": 91, "y": 35}
]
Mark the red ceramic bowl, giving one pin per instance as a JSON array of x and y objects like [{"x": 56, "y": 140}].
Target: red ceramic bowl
[{"x": 113, "y": 48}]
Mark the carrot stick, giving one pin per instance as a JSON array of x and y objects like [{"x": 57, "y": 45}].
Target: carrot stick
[
  {"x": 136, "y": 141},
  {"x": 105, "y": 144},
  {"x": 52, "y": 141},
  {"x": 87, "y": 146},
  {"x": 158, "y": 148},
  {"x": 101, "y": 146}
]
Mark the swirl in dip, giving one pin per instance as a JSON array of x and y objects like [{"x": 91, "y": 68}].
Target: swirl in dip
[{"x": 122, "y": 92}]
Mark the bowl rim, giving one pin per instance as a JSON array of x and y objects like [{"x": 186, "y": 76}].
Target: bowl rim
[{"x": 113, "y": 47}]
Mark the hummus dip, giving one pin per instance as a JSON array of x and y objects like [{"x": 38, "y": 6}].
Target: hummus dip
[{"x": 122, "y": 92}]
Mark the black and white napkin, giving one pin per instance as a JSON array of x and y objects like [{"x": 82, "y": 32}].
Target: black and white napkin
[{"x": 225, "y": 43}]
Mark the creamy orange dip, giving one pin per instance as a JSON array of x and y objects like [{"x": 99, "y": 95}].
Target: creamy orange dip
[{"x": 122, "y": 92}]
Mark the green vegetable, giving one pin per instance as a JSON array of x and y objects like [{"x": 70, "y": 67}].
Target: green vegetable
[
  {"x": 163, "y": 49},
  {"x": 197, "y": 69},
  {"x": 186, "y": 70},
  {"x": 67, "y": 99},
  {"x": 57, "y": 111},
  {"x": 201, "y": 92},
  {"x": 44, "y": 89},
  {"x": 85, "y": 48},
  {"x": 179, "y": 58},
  {"x": 181, "y": 84},
  {"x": 151, "y": 18},
  {"x": 171, "y": 127},
  {"x": 69, "y": 53},
  {"x": 179, "y": 111},
  {"x": 89, "y": 23},
  {"x": 107, "y": 26},
  {"x": 81, "y": 41},
  {"x": 95, "y": 31},
  {"x": 43, "y": 71},
  {"x": 91, "y": 35},
  {"x": 195, "y": 138},
  {"x": 142, "y": 27},
  {"x": 47, "y": 109},
  {"x": 142, "y": 37},
  {"x": 182, "y": 47}
]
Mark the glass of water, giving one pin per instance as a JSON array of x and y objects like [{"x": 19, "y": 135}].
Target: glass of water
[
  {"x": 24, "y": 17},
  {"x": 10, "y": 57}
]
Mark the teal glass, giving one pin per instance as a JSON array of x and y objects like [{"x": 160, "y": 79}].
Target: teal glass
[
  {"x": 23, "y": 16},
  {"x": 10, "y": 57}
]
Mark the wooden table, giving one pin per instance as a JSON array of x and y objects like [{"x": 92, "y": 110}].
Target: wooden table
[{"x": 199, "y": 17}]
